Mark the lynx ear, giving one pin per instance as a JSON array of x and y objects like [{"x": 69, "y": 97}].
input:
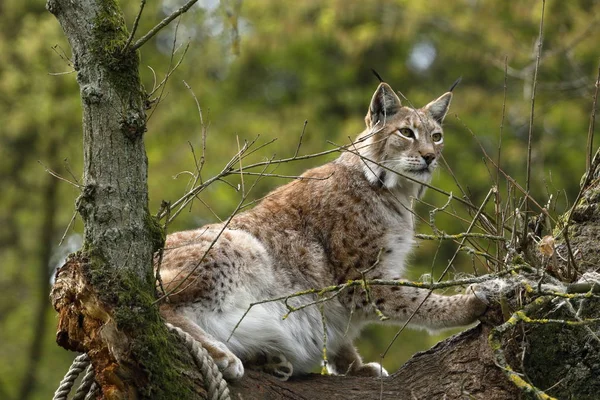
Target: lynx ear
[
  {"x": 384, "y": 104},
  {"x": 438, "y": 108}
]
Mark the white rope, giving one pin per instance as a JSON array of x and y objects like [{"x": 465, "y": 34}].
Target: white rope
[
  {"x": 86, "y": 384},
  {"x": 215, "y": 385},
  {"x": 79, "y": 364}
]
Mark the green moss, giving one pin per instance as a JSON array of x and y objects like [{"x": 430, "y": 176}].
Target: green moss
[
  {"x": 156, "y": 232},
  {"x": 110, "y": 36},
  {"x": 110, "y": 33},
  {"x": 158, "y": 355}
]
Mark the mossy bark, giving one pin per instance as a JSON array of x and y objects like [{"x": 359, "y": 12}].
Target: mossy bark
[
  {"x": 565, "y": 359},
  {"x": 104, "y": 294}
]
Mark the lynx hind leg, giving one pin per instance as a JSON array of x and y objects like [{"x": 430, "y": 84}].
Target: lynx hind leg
[
  {"x": 273, "y": 364},
  {"x": 229, "y": 364},
  {"x": 347, "y": 361}
]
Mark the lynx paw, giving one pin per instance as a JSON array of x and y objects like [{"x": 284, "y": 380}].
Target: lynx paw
[
  {"x": 278, "y": 366},
  {"x": 480, "y": 298},
  {"x": 230, "y": 366},
  {"x": 370, "y": 369}
]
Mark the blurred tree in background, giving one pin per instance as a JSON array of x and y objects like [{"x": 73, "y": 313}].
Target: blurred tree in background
[{"x": 264, "y": 69}]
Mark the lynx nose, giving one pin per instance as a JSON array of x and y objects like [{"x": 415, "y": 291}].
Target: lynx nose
[{"x": 429, "y": 157}]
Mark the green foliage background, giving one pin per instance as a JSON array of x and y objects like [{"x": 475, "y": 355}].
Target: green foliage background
[{"x": 305, "y": 60}]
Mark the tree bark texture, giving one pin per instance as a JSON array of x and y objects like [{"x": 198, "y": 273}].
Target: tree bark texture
[
  {"x": 460, "y": 367},
  {"x": 566, "y": 358},
  {"x": 104, "y": 293}
]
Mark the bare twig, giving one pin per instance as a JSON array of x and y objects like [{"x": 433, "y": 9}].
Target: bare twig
[
  {"x": 171, "y": 70},
  {"x": 301, "y": 136},
  {"x": 135, "y": 26},
  {"x": 498, "y": 200},
  {"x": 508, "y": 177},
  {"x": 62, "y": 239},
  {"x": 531, "y": 117},
  {"x": 162, "y": 24},
  {"x": 444, "y": 236},
  {"x": 590, "y": 138},
  {"x": 161, "y": 252},
  {"x": 63, "y": 56},
  {"x": 237, "y": 138},
  {"x": 56, "y": 175},
  {"x": 204, "y": 133},
  {"x": 163, "y": 84},
  {"x": 68, "y": 168},
  {"x": 61, "y": 73}
]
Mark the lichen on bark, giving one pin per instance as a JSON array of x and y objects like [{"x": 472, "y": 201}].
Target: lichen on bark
[{"x": 564, "y": 360}]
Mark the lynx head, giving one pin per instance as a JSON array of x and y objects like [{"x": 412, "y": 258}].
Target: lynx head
[{"x": 402, "y": 139}]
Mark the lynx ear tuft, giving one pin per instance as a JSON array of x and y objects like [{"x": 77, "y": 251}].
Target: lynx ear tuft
[
  {"x": 384, "y": 103},
  {"x": 439, "y": 107}
]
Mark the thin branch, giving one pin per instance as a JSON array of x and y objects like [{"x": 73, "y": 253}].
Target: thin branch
[
  {"x": 237, "y": 138},
  {"x": 162, "y": 24},
  {"x": 301, "y": 136},
  {"x": 135, "y": 25},
  {"x": 456, "y": 181},
  {"x": 590, "y": 138},
  {"x": 185, "y": 199},
  {"x": 68, "y": 168},
  {"x": 187, "y": 46},
  {"x": 61, "y": 73},
  {"x": 508, "y": 177},
  {"x": 298, "y": 177},
  {"x": 498, "y": 200},
  {"x": 56, "y": 175},
  {"x": 204, "y": 131},
  {"x": 62, "y": 239},
  {"x": 531, "y": 116},
  {"x": 163, "y": 84},
  {"x": 443, "y": 236}
]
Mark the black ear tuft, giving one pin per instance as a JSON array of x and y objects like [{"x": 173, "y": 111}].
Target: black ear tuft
[
  {"x": 384, "y": 104},
  {"x": 377, "y": 75},
  {"x": 455, "y": 84}
]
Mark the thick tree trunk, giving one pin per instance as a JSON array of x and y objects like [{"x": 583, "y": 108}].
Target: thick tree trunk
[{"x": 104, "y": 294}]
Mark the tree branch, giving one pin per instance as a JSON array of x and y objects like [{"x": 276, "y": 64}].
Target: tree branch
[
  {"x": 140, "y": 42},
  {"x": 453, "y": 369}
]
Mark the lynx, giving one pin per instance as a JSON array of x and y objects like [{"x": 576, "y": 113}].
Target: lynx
[{"x": 344, "y": 218}]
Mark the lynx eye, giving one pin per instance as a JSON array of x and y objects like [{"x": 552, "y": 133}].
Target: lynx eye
[
  {"x": 437, "y": 137},
  {"x": 406, "y": 132}
]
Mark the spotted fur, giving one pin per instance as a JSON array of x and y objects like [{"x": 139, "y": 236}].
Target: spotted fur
[{"x": 312, "y": 233}]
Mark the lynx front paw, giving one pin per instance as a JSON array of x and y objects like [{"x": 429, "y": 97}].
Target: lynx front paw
[
  {"x": 370, "y": 369},
  {"x": 479, "y": 299},
  {"x": 230, "y": 366}
]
